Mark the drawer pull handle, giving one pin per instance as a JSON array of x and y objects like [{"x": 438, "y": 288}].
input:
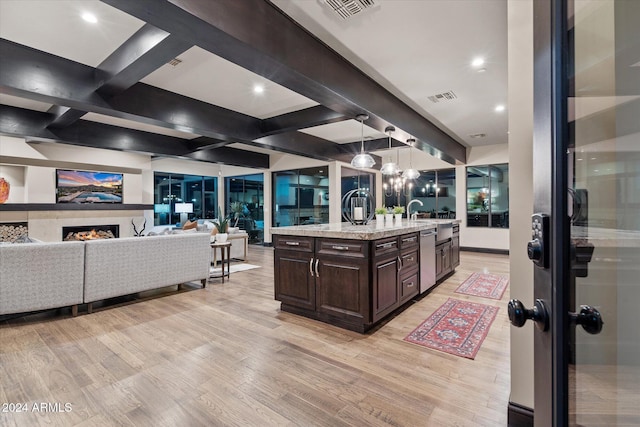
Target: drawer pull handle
[
  {"x": 410, "y": 239},
  {"x": 409, "y": 258},
  {"x": 317, "y": 273},
  {"x": 410, "y": 284},
  {"x": 311, "y": 266},
  {"x": 386, "y": 245},
  {"x": 292, "y": 243},
  {"x": 340, "y": 248}
]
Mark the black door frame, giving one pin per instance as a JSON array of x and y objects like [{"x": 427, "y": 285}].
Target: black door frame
[{"x": 550, "y": 137}]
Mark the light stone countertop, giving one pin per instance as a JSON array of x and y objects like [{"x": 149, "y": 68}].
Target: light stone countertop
[{"x": 370, "y": 231}]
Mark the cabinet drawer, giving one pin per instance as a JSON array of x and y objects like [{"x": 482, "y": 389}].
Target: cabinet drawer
[
  {"x": 385, "y": 246},
  {"x": 409, "y": 259},
  {"x": 409, "y": 241},
  {"x": 342, "y": 248},
  {"x": 297, "y": 243},
  {"x": 408, "y": 287}
]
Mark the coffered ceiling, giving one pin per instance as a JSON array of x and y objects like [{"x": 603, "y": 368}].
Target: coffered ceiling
[{"x": 253, "y": 77}]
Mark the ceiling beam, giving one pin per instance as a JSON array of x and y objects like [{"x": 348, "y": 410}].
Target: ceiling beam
[
  {"x": 259, "y": 37},
  {"x": 301, "y": 119},
  {"x": 316, "y": 147},
  {"x": 32, "y": 125},
  {"x": 144, "y": 52},
  {"x": 33, "y": 74}
]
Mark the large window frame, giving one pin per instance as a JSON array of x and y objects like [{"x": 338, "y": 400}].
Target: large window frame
[
  {"x": 300, "y": 196},
  {"x": 171, "y": 188},
  {"x": 436, "y": 189},
  {"x": 487, "y": 192}
]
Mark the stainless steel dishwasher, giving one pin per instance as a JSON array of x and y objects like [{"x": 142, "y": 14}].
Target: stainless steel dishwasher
[{"x": 427, "y": 260}]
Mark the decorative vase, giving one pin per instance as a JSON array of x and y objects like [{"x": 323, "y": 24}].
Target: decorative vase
[
  {"x": 398, "y": 218},
  {"x": 380, "y": 218},
  {"x": 221, "y": 237},
  {"x": 388, "y": 218},
  {"x": 4, "y": 190}
]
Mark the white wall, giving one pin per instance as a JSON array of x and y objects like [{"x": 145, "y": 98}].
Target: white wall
[{"x": 520, "y": 53}]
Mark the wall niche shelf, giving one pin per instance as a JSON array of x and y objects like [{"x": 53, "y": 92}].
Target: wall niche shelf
[{"x": 17, "y": 207}]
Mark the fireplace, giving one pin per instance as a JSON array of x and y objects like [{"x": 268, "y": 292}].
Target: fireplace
[{"x": 90, "y": 232}]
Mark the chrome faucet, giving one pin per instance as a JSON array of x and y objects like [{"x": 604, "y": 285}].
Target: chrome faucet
[{"x": 413, "y": 216}]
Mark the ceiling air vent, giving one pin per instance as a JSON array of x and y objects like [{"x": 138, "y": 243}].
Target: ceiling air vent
[
  {"x": 175, "y": 62},
  {"x": 445, "y": 96},
  {"x": 348, "y": 8},
  {"x": 477, "y": 135}
]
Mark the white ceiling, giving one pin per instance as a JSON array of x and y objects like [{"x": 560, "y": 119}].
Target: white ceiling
[{"x": 415, "y": 49}]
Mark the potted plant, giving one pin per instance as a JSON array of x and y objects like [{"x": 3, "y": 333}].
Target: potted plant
[
  {"x": 398, "y": 211},
  {"x": 388, "y": 216},
  {"x": 380, "y": 214},
  {"x": 221, "y": 227}
]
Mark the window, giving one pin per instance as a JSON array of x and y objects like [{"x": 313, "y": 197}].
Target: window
[
  {"x": 435, "y": 189},
  {"x": 352, "y": 179},
  {"x": 301, "y": 196},
  {"x": 245, "y": 204},
  {"x": 488, "y": 196},
  {"x": 171, "y": 188}
]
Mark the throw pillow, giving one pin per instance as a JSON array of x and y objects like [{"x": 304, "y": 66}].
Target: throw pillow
[{"x": 189, "y": 225}]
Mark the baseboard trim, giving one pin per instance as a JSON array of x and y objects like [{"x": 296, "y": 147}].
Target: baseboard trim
[
  {"x": 485, "y": 250},
  {"x": 519, "y": 416}
]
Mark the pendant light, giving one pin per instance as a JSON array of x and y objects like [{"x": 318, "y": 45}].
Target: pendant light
[
  {"x": 362, "y": 160},
  {"x": 410, "y": 173},
  {"x": 390, "y": 168}
]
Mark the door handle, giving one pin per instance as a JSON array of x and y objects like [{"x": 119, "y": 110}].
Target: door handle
[
  {"x": 316, "y": 268},
  {"x": 589, "y": 318},
  {"x": 399, "y": 264},
  {"x": 311, "y": 266},
  {"x": 518, "y": 314}
]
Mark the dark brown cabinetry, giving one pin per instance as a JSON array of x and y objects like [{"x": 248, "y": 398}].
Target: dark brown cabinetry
[
  {"x": 327, "y": 279},
  {"x": 293, "y": 267},
  {"x": 448, "y": 254},
  {"x": 342, "y": 279},
  {"x": 348, "y": 283}
]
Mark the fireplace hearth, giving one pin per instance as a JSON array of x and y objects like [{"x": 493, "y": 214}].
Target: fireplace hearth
[{"x": 90, "y": 232}]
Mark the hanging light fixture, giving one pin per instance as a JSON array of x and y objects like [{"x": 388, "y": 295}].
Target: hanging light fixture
[
  {"x": 362, "y": 160},
  {"x": 390, "y": 168},
  {"x": 410, "y": 173}
]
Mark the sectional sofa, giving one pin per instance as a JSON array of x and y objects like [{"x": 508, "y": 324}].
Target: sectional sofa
[{"x": 39, "y": 276}]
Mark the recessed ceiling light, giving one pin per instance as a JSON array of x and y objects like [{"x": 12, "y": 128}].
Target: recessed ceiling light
[
  {"x": 477, "y": 62},
  {"x": 89, "y": 17},
  {"x": 500, "y": 108},
  {"x": 481, "y": 70},
  {"x": 258, "y": 88}
]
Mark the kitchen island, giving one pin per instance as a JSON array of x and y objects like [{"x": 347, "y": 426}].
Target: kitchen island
[{"x": 352, "y": 276}]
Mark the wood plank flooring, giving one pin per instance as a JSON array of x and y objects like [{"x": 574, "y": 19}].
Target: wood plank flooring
[{"x": 225, "y": 355}]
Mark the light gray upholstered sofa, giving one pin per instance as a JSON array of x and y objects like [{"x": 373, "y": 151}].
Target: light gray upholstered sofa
[
  {"x": 115, "y": 267},
  {"x": 39, "y": 276}
]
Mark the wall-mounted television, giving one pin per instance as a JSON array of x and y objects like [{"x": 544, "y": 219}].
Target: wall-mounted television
[{"x": 76, "y": 186}]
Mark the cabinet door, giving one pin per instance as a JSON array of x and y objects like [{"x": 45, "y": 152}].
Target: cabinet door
[
  {"x": 455, "y": 251},
  {"x": 385, "y": 287},
  {"x": 439, "y": 261},
  {"x": 342, "y": 288},
  {"x": 294, "y": 284}
]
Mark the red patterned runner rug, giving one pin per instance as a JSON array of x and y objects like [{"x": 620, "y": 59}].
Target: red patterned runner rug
[
  {"x": 484, "y": 285},
  {"x": 457, "y": 327}
]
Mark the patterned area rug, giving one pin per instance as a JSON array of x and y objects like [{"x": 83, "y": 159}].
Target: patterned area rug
[
  {"x": 484, "y": 285},
  {"x": 457, "y": 327}
]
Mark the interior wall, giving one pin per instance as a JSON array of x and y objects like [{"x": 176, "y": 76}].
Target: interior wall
[{"x": 520, "y": 72}]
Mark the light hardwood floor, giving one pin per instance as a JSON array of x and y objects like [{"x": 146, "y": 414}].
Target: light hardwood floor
[{"x": 226, "y": 355}]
